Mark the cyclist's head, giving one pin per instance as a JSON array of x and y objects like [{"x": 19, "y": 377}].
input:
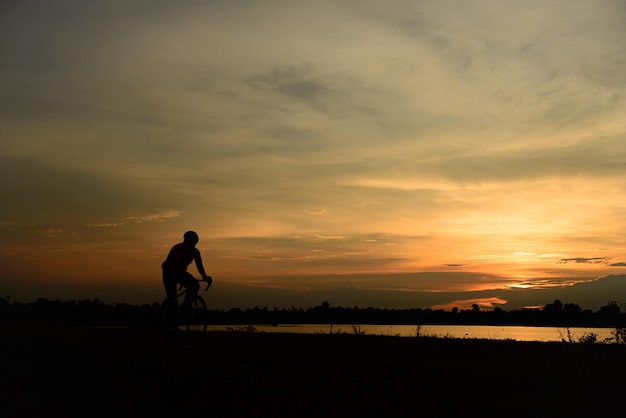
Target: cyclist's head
[{"x": 191, "y": 237}]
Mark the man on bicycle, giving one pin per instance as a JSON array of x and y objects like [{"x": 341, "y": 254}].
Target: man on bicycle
[{"x": 175, "y": 267}]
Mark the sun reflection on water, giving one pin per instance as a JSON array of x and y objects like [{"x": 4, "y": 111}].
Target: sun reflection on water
[{"x": 517, "y": 333}]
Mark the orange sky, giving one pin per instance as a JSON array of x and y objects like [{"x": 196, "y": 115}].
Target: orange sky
[{"x": 419, "y": 153}]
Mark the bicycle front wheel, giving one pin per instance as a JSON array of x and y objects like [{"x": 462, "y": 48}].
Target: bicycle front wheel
[{"x": 195, "y": 317}]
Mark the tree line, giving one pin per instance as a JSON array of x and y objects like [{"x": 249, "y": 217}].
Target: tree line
[{"x": 95, "y": 312}]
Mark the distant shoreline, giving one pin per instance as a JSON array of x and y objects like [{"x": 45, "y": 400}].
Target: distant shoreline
[{"x": 96, "y": 312}]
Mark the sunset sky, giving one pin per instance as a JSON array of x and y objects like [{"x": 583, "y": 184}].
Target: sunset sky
[{"x": 390, "y": 154}]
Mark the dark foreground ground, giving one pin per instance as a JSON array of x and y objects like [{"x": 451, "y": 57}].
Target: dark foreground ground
[{"x": 135, "y": 373}]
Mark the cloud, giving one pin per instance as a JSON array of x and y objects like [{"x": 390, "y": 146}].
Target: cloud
[
  {"x": 291, "y": 81},
  {"x": 106, "y": 225},
  {"x": 12, "y": 224},
  {"x": 317, "y": 212},
  {"x": 329, "y": 236},
  {"x": 584, "y": 260},
  {"x": 483, "y": 303},
  {"x": 155, "y": 217},
  {"x": 546, "y": 283},
  {"x": 53, "y": 233}
]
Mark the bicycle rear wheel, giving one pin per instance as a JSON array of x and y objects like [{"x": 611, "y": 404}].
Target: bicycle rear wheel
[{"x": 194, "y": 318}]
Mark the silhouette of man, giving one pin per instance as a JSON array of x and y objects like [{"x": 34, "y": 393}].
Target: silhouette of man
[{"x": 175, "y": 268}]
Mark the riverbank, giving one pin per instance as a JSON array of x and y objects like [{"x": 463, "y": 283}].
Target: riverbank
[{"x": 134, "y": 372}]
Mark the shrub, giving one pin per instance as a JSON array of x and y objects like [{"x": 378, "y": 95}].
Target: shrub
[
  {"x": 588, "y": 338},
  {"x": 619, "y": 334}
]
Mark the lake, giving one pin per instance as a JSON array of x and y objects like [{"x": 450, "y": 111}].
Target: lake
[{"x": 492, "y": 332}]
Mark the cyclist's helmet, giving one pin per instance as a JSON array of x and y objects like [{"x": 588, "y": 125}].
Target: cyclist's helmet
[{"x": 191, "y": 237}]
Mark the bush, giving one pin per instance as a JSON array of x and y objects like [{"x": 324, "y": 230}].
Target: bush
[
  {"x": 588, "y": 338},
  {"x": 619, "y": 334}
]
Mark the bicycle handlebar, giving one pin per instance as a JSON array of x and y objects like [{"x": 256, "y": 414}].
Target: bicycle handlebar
[{"x": 208, "y": 283}]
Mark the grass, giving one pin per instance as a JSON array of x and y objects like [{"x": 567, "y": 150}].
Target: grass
[
  {"x": 132, "y": 372},
  {"x": 619, "y": 337}
]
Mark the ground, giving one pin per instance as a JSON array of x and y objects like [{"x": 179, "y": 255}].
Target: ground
[{"x": 128, "y": 372}]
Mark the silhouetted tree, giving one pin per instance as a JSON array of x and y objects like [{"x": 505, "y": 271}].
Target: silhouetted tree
[
  {"x": 554, "y": 307},
  {"x": 97, "y": 312},
  {"x": 612, "y": 308},
  {"x": 571, "y": 308},
  {"x": 5, "y": 309}
]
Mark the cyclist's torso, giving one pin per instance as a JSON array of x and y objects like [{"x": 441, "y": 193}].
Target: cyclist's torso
[{"x": 179, "y": 257}]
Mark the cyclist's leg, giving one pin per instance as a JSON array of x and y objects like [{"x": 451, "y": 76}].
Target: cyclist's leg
[
  {"x": 192, "y": 285},
  {"x": 170, "y": 282}
]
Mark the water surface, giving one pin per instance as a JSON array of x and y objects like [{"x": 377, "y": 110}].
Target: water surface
[{"x": 493, "y": 332}]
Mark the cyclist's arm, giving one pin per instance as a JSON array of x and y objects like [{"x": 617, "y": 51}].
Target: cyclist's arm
[{"x": 200, "y": 267}]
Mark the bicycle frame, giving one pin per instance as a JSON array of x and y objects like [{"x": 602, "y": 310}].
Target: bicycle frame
[
  {"x": 191, "y": 313},
  {"x": 183, "y": 290}
]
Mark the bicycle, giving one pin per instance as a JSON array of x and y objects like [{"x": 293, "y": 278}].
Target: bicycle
[{"x": 190, "y": 314}]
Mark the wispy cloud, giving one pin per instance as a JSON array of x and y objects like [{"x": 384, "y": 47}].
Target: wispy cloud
[
  {"x": 317, "y": 212},
  {"x": 584, "y": 260},
  {"x": 482, "y": 303},
  {"x": 106, "y": 225},
  {"x": 155, "y": 217},
  {"x": 54, "y": 232},
  {"x": 12, "y": 224},
  {"x": 329, "y": 236},
  {"x": 543, "y": 283}
]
